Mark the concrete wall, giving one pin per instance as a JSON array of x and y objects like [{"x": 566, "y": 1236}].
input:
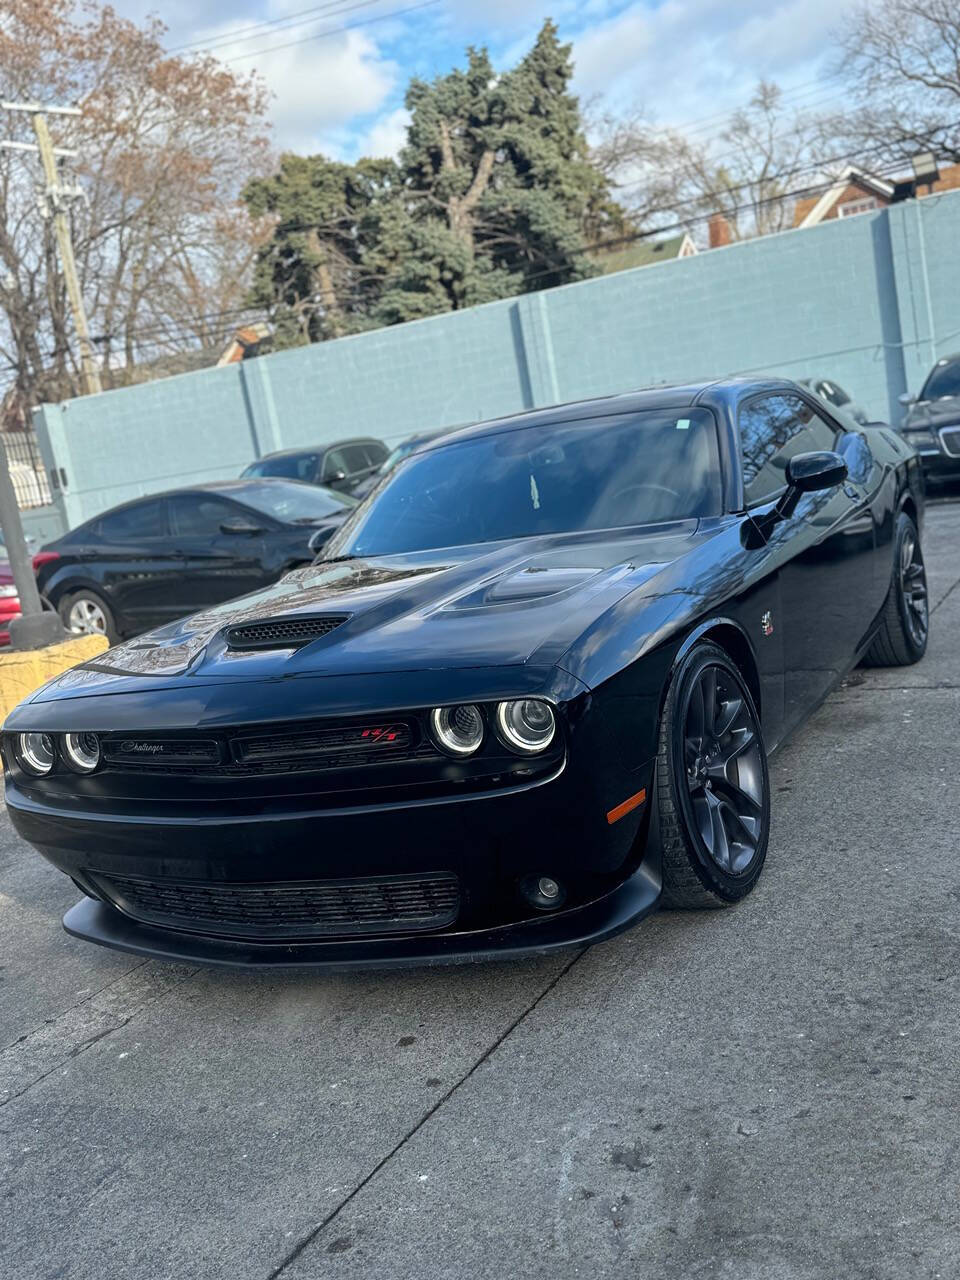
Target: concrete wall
[{"x": 868, "y": 301}]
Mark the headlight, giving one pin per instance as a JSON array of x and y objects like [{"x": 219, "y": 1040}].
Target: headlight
[
  {"x": 458, "y": 730},
  {"x": 920, "y": 437},
  {"x": 36, "y": 752},
  {"x": 82, "y": 751},
  {"x": 527, "y": 725},
  {"x": 8, "y": 590}
]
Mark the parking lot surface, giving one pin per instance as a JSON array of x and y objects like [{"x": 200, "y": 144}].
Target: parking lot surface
[{"x": 767, "y": 1092}]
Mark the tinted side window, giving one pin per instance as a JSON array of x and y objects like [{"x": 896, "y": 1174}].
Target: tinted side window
[
  {"x": 335, "y": 461},
  {"x": 772, "y": 430},
  {"x": 376, "y": 453},
  {"x": 356, "y": 458},
  {"x": 145, "y": 520},
  {"x": 193, "y": 515}
]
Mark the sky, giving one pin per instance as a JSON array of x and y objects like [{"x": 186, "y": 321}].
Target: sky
[{"x": 337, "y": 69}]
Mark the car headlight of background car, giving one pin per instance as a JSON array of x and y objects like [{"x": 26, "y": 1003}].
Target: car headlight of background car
[{"x": 8, "y": 590}]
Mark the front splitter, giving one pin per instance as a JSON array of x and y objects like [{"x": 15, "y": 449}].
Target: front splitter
[{"x": 604, "y": 918}]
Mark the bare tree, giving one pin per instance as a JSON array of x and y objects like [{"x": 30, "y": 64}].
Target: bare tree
[
  {"x": 902, "y": 58},
  {"x": 755, "y": 168},
  {"x": 163, "y": 246}
]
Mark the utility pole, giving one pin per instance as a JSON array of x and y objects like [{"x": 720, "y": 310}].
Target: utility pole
[{"x": 57, "y": 196}]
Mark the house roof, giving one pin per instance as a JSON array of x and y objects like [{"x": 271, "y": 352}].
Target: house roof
[
  {"x": 643, "y": 253},
  {"x": 869, "y": 183}
]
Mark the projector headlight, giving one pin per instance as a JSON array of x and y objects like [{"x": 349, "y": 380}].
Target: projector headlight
[
  {"x": 81, "y": 751},
  {"x": 36, "y": 753},
  {"x": 458, "y": 730},
  {"x": 527, "y": 725}
]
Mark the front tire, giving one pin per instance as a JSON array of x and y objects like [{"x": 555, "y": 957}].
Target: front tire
[
  {"x": 713, "y": 788},
  {"x": 905, "y": 622},
  {"x": 84, "y": 613}
]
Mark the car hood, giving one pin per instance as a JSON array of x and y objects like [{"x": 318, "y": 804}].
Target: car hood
[
  {"x": 495, "y": 605},
  {"x": 934, "y": 413}
]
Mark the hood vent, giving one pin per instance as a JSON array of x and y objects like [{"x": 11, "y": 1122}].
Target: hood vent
[{"x": 281, "y": 633}]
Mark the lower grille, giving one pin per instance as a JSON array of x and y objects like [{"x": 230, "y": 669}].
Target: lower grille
[
  {"x": 950, "y": 438},
  {"x": 299, "y": 909}
]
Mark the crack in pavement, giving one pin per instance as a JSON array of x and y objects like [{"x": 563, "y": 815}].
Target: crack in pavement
[
  {"x": 48, "y": 1022},
  {"x": 312, "y": 1235},
  {"x": 946, "y": 596},
  {"x": 46, "y": 1042}
]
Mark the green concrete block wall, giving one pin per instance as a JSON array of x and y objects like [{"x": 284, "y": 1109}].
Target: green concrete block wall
[{"x": 865, "y": 300}]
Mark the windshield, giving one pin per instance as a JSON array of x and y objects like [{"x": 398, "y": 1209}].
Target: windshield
[
  {"x": 943, "y": 381},
  {"x": 601, "y": 473},
  {"x": 288, "y": 466},
  {"x": 292, "y": 502}
]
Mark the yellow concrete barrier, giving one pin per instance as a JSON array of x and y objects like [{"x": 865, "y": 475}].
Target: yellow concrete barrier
[{"x": 23, "y": 671}]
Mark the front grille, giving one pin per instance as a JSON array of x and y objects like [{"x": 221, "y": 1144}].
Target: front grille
[
  {"x": 281, "y": 633},
  {"x": 300, "y": 909},
  {"x": 950, "y": 438},
  {"x": 282, "y": 749}
]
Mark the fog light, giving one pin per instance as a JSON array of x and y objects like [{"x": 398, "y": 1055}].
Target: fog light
[
  {"x": 543, "y": 892},
  {"x": 36, "y": 752},
  {"x": 527, "y": 725},
  {"x": 82, "y": 751},
  {"x": 458, "y": 730}
]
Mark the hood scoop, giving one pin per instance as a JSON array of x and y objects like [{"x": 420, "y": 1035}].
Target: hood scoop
[{"x": 281, "y": 633}]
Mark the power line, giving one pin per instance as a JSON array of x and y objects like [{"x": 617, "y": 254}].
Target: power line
[
  {"x": 333, "y": 31},
  {"x": 288, "y": 22}
]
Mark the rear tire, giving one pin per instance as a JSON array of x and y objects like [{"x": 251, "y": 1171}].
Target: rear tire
[
  {"x": 905, "y": 622},
  {"x": 713, "y": 790},
  {"x": 85, "y": 613}
]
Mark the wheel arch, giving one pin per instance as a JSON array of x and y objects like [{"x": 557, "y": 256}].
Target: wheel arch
[{"x": 731, "y": 637}]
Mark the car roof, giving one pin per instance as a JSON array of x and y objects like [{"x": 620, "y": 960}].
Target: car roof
[
  {"x": 222, "y": 488},
  {"x": 661, "y": 397},
  {"x": 319, "y": 448}
]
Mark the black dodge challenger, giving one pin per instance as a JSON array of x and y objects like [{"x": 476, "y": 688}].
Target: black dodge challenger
[{"x": 526, "y": 695}]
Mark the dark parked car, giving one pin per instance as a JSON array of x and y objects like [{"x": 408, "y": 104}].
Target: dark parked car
[
  {"x": 529, "y": 696},
  {"x": 342, "y": 466},
  {"x": 397, "y": 454},
  {"x": 834, "y": 396},
  {"x": 932, "y": 424},
  {"x": 158, "y": 558}
]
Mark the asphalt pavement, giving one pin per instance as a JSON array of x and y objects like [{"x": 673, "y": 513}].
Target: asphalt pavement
[{"x": 766, "y": 1092}]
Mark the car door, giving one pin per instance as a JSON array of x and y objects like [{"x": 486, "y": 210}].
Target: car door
[
  {"x": 138, "y": 566},
  {"x": 221, "y": 549},
  {"x": 823, "y": 550}
]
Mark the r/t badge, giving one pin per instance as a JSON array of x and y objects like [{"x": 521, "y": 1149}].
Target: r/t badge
[{"x": 766, "y": 623}]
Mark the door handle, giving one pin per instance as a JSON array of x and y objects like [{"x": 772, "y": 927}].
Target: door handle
[{"x": 851, "y": 492}]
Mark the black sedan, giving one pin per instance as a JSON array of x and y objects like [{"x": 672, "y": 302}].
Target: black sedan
[
  {"x": 159, "y": 558},
  {"x": 528, "y": 696},
  {"x": 343, "y": 465},
  {"x": 932, "y": 424}
]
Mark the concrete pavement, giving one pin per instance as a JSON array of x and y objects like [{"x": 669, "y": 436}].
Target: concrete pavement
[{"x": 764, "y": 1092}]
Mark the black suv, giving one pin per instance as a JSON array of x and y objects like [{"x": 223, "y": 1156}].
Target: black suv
[
  {"x": 932, "y": 424},
  {"x": 342, "y": 465}
]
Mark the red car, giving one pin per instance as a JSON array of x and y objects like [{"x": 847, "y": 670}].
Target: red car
[{"x": 9, "y": 601}]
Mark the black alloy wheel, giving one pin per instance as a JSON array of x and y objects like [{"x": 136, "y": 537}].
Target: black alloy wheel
[
  {"x": 913, "y": 589},
  {"x": 905, "y": 620},
  {"x": 713, "y": 788}
]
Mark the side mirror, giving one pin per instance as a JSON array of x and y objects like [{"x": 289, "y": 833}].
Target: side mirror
[
  {"x": 809, "y": 472},
  {"x": 335, "y": 477},
  {"x": 237, "y": 525},
  {"x": 907, "y": 399},
  {"x": 318, "y": 539}
]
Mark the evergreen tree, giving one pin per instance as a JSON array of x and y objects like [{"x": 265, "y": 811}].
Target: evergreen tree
[{"x": 492, "y": 195}]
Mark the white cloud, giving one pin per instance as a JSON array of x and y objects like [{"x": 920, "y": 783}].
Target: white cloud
[
  {"x": 387, "y": 135},
  {"x": 687, "y": 59}
]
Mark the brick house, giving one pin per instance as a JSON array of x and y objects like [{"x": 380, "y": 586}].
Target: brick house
[{"x": 859, "y": 191}]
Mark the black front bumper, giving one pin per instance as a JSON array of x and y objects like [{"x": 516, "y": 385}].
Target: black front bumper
[{"x": 578, "y": 927}]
